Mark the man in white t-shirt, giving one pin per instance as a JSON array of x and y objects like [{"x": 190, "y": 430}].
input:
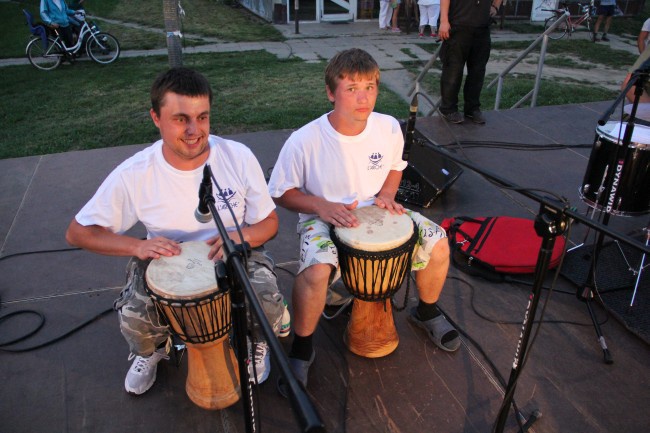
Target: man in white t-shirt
[
  {"x": 328, "y": 168},
  {"x": 159, "y": 188}
]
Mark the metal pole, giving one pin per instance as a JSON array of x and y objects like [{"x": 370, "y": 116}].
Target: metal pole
[{"x": 173, "y": 32}]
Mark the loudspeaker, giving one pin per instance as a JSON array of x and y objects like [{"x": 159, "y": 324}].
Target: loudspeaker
[{"x": 427, "y": 175}]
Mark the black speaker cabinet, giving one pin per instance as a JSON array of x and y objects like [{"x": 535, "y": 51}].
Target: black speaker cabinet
[{"x": 427, "y": 176}]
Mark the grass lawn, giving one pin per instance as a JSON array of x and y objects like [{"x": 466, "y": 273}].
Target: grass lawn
[{"x": 90, "y": 106}]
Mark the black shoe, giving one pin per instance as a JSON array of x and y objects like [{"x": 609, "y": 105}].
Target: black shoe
[
  {"x": 476, "y": 116},
  {"x": 454, "y": 117},
  {"x": 604, "y": 38}
]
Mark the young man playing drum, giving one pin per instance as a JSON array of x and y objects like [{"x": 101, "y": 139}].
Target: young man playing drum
[
  {"x": 159, "y": 187},
  {"x": 350, "y": 157}
]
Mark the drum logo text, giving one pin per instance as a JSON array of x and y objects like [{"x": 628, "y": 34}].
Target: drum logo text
[{"x": 617, "y": 178}]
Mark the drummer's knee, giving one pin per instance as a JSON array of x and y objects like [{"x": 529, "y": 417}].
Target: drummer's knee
[{"x": 315, "y": 276}]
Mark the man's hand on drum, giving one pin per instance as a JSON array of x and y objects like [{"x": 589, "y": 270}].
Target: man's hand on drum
[
  {"x": 156, "y": 247},
  {"x": 387, "y": 202},
  {"x": 337, "y": 214},
  {"x": 216, "y": 244}
]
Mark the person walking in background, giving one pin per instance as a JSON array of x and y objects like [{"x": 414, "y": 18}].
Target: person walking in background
[
  {"x": 385, "y": 15},
  {"x": 394, "y": 4},
  {"x": 465, "y": 31},
  {"x": 429, "y": 14},
  {"x": 605, "y": 11}
]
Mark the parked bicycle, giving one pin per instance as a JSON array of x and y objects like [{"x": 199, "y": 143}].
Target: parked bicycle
[
  {"x": 569, "y": 26},
  {"x": 47, "y": 52}
]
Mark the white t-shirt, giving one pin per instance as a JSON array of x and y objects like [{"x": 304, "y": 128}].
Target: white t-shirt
[
  {"x": 317, "y": 160},
  {"x": 146, "y": 188}
]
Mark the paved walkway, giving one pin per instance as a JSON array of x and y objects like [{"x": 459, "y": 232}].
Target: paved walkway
[{"x": 317, "y": 41}]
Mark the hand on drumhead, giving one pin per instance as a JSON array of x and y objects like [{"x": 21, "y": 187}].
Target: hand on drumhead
[
  {"x": 156, "y": 247},
  {"x": 338, "y": 214},
  {"x": 389, "y": 204}
]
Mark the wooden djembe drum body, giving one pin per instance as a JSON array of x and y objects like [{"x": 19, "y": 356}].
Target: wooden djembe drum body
[
  {"x": 184, "y": 289},
  {"x": 374, "y": 258}
]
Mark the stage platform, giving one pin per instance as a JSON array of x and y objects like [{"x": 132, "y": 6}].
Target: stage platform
[{"x": 75, "y": 384}]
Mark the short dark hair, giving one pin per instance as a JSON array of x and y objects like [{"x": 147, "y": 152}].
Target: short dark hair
[
  {"x": 182, "y": 81},
  {"x": 351, "y": 63}
]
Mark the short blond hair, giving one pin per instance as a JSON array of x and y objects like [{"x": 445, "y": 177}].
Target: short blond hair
[{"x": 352, "y": 63}]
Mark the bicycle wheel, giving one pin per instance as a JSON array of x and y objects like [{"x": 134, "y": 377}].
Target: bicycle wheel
[
  {"x": 43, "y": 58},
  {"x": 103, "y": 48},
  {"x": 559, "y": 31}
]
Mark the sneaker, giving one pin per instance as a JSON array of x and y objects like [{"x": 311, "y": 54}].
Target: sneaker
[
  {"x": 258, "y": 371},
  {"x": 594, "y": 37},
  {"x": 142, "y": 373},
  {"x": 454, "y": 117},
  {"x": 285, "y": 324},
  {"x": 395, "y": 30},
  {"x": 604, "y": 38},
  {"x": 476, "y": 116},
  {"x": 420, "y": 35},
  {"x": 434, "y": 35}
]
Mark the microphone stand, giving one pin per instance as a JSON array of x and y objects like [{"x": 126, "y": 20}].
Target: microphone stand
[
  {"x": 231, "y": 275},
  {"x": 550, "y": 222}
]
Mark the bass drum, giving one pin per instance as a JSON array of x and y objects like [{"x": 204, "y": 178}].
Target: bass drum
[{"x": 618, "y": 182}]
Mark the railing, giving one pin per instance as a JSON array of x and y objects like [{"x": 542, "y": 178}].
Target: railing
[{"x": 543, "y": 39}]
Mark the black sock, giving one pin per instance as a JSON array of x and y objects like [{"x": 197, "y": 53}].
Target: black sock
[
  {"x": 427, "y": 311},
  {"x": 302, "y": 347}
]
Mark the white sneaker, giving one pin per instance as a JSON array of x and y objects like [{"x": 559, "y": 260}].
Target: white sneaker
[
  {"x": 259, "y": 364},
  {"x": 142, "y": 373},
  {"x": 285, "y": 324}
]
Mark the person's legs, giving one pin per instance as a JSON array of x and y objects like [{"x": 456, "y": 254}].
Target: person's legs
[
  {"x": 264, "y": 282},
  {"x": 395, "y": 17},
  {"x": 142, "y": 328},
  {"x": 453, "y": 55},
  {"x": 431, "y": 263},
  {"x": 423, "y": 18},
  {"x": 476, "y": 65},
  {"x": 385, "y": 14},
  {"x": 433, "y": 19}
]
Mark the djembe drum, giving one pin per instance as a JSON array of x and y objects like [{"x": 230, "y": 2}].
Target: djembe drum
[
  {"x": 374, "y": 258},
  {"x": 184, "y": 289}
]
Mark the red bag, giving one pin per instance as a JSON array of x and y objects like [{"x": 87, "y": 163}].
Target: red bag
[{"x": 493, "y": 246}]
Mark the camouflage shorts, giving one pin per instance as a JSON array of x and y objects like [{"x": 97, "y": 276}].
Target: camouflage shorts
[
  {"x": 145, "y": 330},
  {"x": 316, "y": 246}
]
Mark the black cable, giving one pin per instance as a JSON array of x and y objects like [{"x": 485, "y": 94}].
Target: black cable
[
  {"x": 3, "y": 345},
  {"x": 47, "y": 343}
]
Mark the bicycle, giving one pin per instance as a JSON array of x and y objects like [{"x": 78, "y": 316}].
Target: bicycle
[
  {"x": 569, "y": 26},
  {"x": 46, "y": 52}
]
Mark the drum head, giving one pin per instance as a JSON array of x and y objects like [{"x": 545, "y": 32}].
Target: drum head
[
  {"x": 189, "y": 275},
  {"x": 615, "y": 131},
  {"x": 378, "y": 230}
]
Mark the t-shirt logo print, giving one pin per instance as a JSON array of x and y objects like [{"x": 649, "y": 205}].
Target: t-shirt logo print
[
  {"x": 375, "y": 161},
  {"x": 227, "y": 198}
]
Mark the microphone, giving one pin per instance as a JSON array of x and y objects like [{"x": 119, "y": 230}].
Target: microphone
[
  {"x": 202, "y": 212},
  {"x": 410, "y": 128}
]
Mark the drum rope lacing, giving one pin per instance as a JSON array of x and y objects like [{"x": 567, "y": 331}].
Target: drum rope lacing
[{"x": 375, "y": 276}]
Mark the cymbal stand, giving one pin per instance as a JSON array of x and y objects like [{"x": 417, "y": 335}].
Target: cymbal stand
[{"x": 616, "y": 162}]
